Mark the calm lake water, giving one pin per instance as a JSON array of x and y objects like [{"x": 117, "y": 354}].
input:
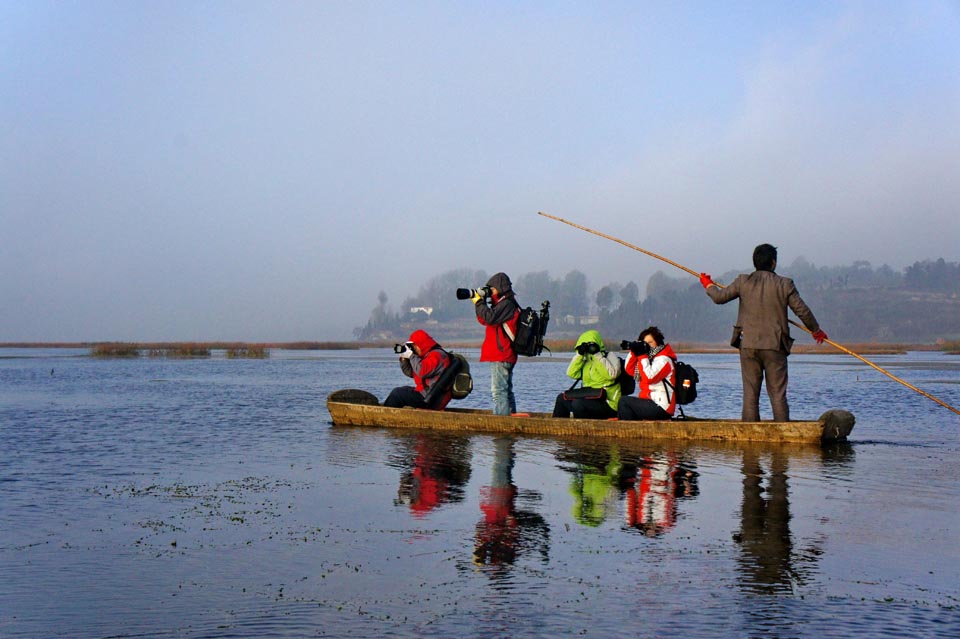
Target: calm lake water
[{"x": 212, "y": 498}]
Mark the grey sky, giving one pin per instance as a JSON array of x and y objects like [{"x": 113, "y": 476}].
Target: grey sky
[{"x": 261, "y": 170}]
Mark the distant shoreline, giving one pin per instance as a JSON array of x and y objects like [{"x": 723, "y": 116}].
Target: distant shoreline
[{"x": 556, "y": 346}]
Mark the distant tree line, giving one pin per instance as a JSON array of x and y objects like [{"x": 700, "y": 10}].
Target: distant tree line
[
  {"x": 856, "y": 302},
  {"x": 436, "y": 300}
]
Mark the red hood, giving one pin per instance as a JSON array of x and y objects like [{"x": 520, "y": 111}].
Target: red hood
[{"x": 423, "y": 341}]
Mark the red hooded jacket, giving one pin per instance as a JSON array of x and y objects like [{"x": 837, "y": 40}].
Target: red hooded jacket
[
  {"x": 500, "y": 318},
  {"x": 433, "y": 361}
]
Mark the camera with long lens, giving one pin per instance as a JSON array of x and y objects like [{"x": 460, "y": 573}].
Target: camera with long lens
[
  {"x": 467, "y": 293},
  {"x": 637, "y": 348},
  {"x": 400, "y": 349},
  {"x": 588, "y": 348}
]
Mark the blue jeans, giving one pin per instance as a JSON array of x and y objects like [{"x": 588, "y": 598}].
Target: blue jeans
[{"x": 501, "y": 386}]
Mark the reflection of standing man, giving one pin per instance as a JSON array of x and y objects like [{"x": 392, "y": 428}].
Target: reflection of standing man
[
  {"x": 504, "y": 532},
  {"x": 496, "y": 541},
  {"x": 765, "y": 524},
  {"x": 762, "y": 333},
  {"x": 500, "y": 318}
]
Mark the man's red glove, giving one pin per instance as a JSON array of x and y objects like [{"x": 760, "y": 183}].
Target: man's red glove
[
  {"x": 705, "y": 281},
  {"x": 819, "y": 336}
]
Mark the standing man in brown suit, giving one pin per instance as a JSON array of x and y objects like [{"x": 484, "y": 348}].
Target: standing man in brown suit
[{"x": 762, "y": 333}]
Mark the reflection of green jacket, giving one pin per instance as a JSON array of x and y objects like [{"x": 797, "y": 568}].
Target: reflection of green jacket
[
  {"x": 598, "y": 371},
  {"x": 592, "y": 492}
]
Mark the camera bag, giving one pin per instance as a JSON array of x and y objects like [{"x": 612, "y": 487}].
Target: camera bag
[
  {"x": 531, "y": 327},
  {"x": 455, "y": 377},
  {"x": 462, "y": 380},
  {"x": 585, "y": 392}
]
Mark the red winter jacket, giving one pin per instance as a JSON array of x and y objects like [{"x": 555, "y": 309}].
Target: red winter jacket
[
  {"x": 432, "y": 362},
  {"x": 650, "y": 376},
  {"x": 500, "y": 318}
]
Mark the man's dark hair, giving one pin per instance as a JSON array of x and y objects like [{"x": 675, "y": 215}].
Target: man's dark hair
[
  {"x": 764, "y": 256},
  {"x": 655, "y": 332}
]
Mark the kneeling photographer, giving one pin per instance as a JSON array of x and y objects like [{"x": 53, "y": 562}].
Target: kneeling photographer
[
  {"x": 424, "y": 360},
  {"x": 652, "y": 363},
  {"x": 598, "y": 370}
]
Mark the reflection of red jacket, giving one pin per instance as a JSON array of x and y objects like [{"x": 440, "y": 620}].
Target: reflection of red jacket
[
  {"x": 496, "y": 502},
  {"x": 428, "y": 492},
  {"x": 498, "y": 533},
  {"x": 432, "y": 362},
  {"x": 652, "y": 504},
  {"x": 428, "y": 487}
]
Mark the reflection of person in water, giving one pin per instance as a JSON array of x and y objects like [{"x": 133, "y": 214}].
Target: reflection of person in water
[
  {"x": 651, "y": 503},
  {"x": 436, "y": 469},
  {"x": 504, "y": 532},
  {"x": 765, "y": 525},
  {"x": 594, "y": 490}
]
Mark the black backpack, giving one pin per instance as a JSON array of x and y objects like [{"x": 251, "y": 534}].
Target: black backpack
[
  {"x": 687, "y": 378},
  {"x": 628, "y": 385},
  {"x": 531, "y": 327}
]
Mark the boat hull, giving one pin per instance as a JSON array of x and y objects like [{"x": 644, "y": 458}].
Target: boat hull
[{"x": 352, "y": 407}]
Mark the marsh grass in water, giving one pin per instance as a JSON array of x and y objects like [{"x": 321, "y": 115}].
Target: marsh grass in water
[
  {"x": 180, "y": 350},
  {"x": 115, "y": 349},
  {"x": 253, "y": 351},
  {"x": 951, "y": 346}
]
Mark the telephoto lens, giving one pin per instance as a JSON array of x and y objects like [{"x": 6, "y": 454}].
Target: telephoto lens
[
  {"x": 399, "y": 349},
  {"x": 464, "y": 293},
  {"x": 625, "y": 345}
]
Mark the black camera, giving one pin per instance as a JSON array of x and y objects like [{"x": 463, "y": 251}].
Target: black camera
[
  {"x": 637, "y": 348},
  {"x": 467, "y": 293},
  {"x": 588, "y": 348},
  {"x": 400, "y": 349}
]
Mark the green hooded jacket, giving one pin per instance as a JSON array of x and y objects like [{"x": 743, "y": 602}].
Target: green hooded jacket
[{"x": 599, "y": 370}]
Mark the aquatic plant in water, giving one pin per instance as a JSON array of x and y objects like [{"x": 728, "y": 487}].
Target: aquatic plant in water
[{"x": 115, "y": 349}]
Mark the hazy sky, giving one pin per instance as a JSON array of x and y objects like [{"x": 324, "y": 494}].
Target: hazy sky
[{"x": 261, "y": 170}]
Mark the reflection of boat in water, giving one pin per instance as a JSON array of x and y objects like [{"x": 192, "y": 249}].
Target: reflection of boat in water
[{"x": 352, "y": 407}]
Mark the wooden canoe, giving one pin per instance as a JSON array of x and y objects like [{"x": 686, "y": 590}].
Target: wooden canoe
[{"x": 351, "y": 407}]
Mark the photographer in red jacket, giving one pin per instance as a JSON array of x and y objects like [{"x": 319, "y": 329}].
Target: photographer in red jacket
[
  {"x": 500, "y": 319},
  {"x": 424, "y": 360}
]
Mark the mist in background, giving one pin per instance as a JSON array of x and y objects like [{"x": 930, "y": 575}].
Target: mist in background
[{"x": 262, "y": 170}]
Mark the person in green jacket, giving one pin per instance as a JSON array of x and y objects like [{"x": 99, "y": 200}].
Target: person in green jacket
[{"x": 599, "y": 371}]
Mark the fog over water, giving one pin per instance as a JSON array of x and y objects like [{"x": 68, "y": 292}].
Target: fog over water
[{"x": 260, "y": 171}]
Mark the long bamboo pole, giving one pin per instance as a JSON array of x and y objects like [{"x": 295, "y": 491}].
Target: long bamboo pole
[{"x": 797, "y": 324}]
